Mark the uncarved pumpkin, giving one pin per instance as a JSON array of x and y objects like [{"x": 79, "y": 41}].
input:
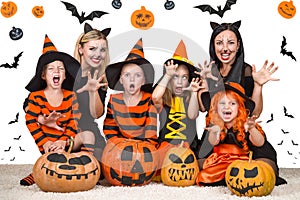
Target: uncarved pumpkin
[
  {"x": 8, "y": 9},
  {"x": 287, "y": 9},
  {"x": 142, "y": 18},
  {"x": 66, "y": 172},
  {"x": 180, "y": 167},
  {"x": 250, "y": 178},
  {"x": 129, "y": 162}
]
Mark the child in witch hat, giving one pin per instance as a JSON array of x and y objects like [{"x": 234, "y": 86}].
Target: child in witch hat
[
  {"x": 51, "y": 94},
  {"x": 175, "y": 96},
  {"x": 131, "y": 113}
]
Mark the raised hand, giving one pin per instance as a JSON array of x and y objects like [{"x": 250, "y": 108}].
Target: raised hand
[
  {"x": 195, "y": 85},
  {"x": 170, "y": 68},
  {"x": 205, "y": 71},
  {"x": 264, "y": 74},
  {"x": 93, "y": 83},
  {"x": 51, "y": 120},
  {"x": 250, "y": 122}
]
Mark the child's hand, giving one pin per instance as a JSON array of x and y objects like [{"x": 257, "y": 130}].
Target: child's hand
[
  {"x": 205, "y": 72},
  {"x": 47, "y": 146},
  {"x": 58, "y": 146},
  {"x": 250, "y": 123},
  {"x": 93, "y": 84},
  {"x": 215, "y": 129},
  {"x": 195, "y": 85},
  {"x": 51, "y": 119},
  {"x": 170, "y": 68}
]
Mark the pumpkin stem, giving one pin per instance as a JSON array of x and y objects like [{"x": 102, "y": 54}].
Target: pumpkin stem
[
  {"x": 250, "y": 156},
  {"x": 71, "y": 141}
]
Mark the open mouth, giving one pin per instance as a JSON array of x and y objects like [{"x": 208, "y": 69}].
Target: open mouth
[
  {"x": 225, "y": 56},
  {"x": 178, "y": 89},
  {"x": 131, "y": 86},
  {"x": 56, "y": 79}
]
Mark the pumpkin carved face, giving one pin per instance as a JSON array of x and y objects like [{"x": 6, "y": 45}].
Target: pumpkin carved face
[
  {"x": 180, "y": 167},
  {"x": 287, "y": 9},
  {"x": 16, "y": 33},
  {"x": 142, "y": 19},
  {"x": 66, "y": 172},
  {"x": 38, "y": 11},
  {"x": 250, "y": 178},
  {"x": 8, "y": 9},
  {"x": 129, "y": 162}
]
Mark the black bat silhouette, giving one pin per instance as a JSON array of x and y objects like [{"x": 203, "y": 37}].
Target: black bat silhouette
[
  {"x": 289, "y": 153},
  {"x": 17, "y": 138},
  {"x": 286, "y": 114},
  {"x": 220, "y": 11},
  {"x": 295, "y": 144},
  {"x": 283, "y": 50},
  {"x": 284, "y": 132},
  {"x": 21, "y": 149},
  {"x": 6, "y": 150},
  {"x": 15, "y": 63},
  {"x": 271, "y": 118},
  {"x": 12, "y": 159},
  {"x": 82, "y": 17},
  {"x": 280, "y": 142},
  {"x": 15, "y": 120}
]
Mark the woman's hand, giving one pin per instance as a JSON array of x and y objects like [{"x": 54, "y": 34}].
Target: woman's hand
[
  {"x": 264, "y": 74},
  {"x": 205, "y": 72},
  {"x": 93, "y": 83}
]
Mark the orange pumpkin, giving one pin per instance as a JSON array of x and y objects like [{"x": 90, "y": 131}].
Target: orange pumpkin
[
  {"x": 38, "y": 11},
  {"x": 180, "y": 167},
  {"x": 66, "y": 172},
  {"x": 129, "y": 162},
  {"x": 142, "y": 19},
  {"x": 8, "y": 9},
  {"x": 250, "y": 178},
  {"x": 287, "y": 9}
]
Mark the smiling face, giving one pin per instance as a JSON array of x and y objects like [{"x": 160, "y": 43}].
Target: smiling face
[
  {"x": 132, "y": 78},
  {"x": 228, "y": 108},
  {"x": 54, "y": 74},
  {"x": 226, "y": 46},
  {"x": 180, "y": 80},
  {"x": 93, "y": 53}
]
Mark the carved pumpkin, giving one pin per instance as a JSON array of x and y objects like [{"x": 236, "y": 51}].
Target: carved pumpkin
[
  {"x": 287, "y": 9},
  {"x": 66, "y": 172},
  {"x": 142, "y": 19},
  {"x": 8, "y": 9},
  {"x": 250, "y": 178},
  {"x": 117, "y": 4},
  {"x": 16, "y": 33},
  {"x": 129, "y": 162},
  {"x": 180, "y": 167},
  {"x": 169, "y": 5},
  {"x": 38, "y": 11}
]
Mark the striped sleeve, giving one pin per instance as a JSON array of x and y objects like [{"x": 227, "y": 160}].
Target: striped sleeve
[{"x": 110, "y": 127}]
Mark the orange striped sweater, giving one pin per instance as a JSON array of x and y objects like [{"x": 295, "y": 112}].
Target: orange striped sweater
[
  {"x": 38, "y": 105},
  {"x": 136, "y": 122}
]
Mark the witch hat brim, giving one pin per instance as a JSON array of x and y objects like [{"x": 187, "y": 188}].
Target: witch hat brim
[
  {"x": 207, "y": 96},
  {"x": 113, "y": 71}
]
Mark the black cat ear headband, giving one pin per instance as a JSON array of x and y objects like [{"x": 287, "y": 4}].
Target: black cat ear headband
[
  {"x": 88, "y": 28},
  {"x": 215, "y": 25}
]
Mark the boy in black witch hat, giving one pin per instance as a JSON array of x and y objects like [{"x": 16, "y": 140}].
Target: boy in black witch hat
[{"x": 51, "y": 93}]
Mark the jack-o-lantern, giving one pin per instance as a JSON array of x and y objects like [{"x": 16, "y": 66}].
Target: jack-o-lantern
[
  {"x": 287, "y": 9},
  {"x": 142, "y": 19},
  {"x": 180, "y": 167},
  {"x": 15, "y": 33},
  {"x": 250, "y": 178},
  {"x": 129, "y": 162},
  {"x": 38, "y": 11},
  {"x": 66, "y": 172},
  {"x": 8, "y": 9}
]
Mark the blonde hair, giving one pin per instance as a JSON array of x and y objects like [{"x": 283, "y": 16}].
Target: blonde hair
[{"x": 90, "y": 36}]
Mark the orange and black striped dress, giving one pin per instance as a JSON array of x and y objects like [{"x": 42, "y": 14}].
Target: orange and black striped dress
[
  {"x": 38, "y": 105},
  {"x": 135, "y": 122}
]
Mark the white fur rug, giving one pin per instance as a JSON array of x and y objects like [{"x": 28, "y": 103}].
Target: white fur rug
[{"x": 11, "y": 190}]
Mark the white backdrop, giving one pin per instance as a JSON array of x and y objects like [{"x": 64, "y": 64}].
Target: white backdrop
[{"x": 262, "y": 30}]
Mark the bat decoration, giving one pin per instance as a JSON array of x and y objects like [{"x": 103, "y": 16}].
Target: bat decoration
[
  {"x": 280, "y": 143},
  {"x": 14, "y": 64},
  {"x": 82, "y": 17},
  {"x": 283, "y": 50},
  {"x": 17, "y": 138},
  {"x": 6, "y": 150},
  {"x": 21, "y": 149},
  {"x": 295, "y": 144},
  {"x": 12, "y": 159},
  {"x": 271, "y": 118},
  {"x": 286, "y": 114},
  {"x": 289, "y": 153},
  {"x": 15, "y": 120},
  {"x": 220, "y": 11},
  {"x": 284, "y": 132}
]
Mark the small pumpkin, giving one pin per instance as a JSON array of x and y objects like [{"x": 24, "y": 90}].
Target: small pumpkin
[
  {"x": 117, "y": 4},
  {"x": 287, "y": 9},
  {"x": 66, "y": 172},
  {"x": 169, "y": 5},
  {"x": 8, "y": 9},
  {"x": 142, "y": 18},
  {"x": 250, "y": 178},
  {"x": 15, "y": 33},
  {"x": 180, "y": 167},
  {"x": 129, "y": 162},
  {"x": 38, "y": 11}
]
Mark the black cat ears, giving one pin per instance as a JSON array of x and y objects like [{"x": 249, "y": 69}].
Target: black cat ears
[
  {"x": 88, "y": 28},
  {"x": 215, "y": 25}
]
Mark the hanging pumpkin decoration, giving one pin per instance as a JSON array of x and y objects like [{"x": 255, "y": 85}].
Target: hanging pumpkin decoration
[
  {"x": 287, "y": 9},
  {"x": 38, "y": 11},
  {"x": 16, "y": 33},
  {"x": 8, "y": 9},
  {"x": 129, "y": 162},
  {"x": 180, "y": 167},
  {"x": 66, "y": 172},
  {"x": 142, "y": 19},
  {"x": 250, "y": 178}
]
